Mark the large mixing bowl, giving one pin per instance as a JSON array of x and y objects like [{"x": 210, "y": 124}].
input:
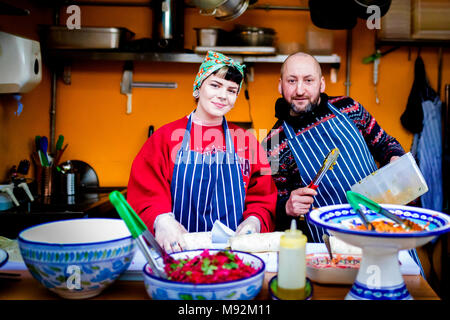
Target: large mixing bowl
[
  {"x": 379, "y": 276},
  {"x": 77, "y": 258},
  {"x": 242, "y": 289}
]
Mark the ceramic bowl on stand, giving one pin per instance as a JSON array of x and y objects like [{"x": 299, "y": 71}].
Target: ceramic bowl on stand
[{"x": 379, "y": 276}]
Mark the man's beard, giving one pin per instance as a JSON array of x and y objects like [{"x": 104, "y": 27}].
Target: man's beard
[
  {"x": 295, "y": 112},
  {"x": 306, "y": 109}
]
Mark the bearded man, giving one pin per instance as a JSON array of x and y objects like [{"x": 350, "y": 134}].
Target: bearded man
[{"x": 310, "y": 124}]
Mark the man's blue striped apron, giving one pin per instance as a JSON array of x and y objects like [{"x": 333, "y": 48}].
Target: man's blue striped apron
[
  {"x": 207, "y": 186},
  {"x": 353, "y": 164}
]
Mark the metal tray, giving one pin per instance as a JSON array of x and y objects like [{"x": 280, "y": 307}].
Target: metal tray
[{"x": 60, "y": 37}]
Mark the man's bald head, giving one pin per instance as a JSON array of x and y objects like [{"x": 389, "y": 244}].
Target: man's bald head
[{"x": 301, "y": 57}]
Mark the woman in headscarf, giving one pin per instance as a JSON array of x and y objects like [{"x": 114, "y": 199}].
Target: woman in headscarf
[{"x": 200, "y": 169}]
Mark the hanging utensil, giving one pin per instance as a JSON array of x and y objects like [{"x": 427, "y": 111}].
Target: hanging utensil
[
  {"x": 327, "y": 163},
  {"x": 376, "y": 65},
  {"x": 141, "y": 234},
  {"x": 126, "y": 84},
  {"x": 356, "y": 199}
]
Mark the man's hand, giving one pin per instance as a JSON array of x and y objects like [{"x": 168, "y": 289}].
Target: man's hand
[
  {"x": 169, "y": 233},
  {"x": 300, "y": 201},
  {"x": 394, "y": 158}
]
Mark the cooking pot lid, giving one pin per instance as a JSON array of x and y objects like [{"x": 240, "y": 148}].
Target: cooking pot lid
[
  {"x": 332, "y": 14},
  {"x": 208, "y": 4}
]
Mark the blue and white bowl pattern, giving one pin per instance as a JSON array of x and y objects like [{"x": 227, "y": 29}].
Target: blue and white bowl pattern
[
  {"x": 342, "y": 217},
  {"x": 244, "y": 289},
  {"x": 360, "y": 291},
  {"x": 77, "y": 271}
]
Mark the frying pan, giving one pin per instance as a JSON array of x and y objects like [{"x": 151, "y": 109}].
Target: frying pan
[{"x": 332, "y": 14}]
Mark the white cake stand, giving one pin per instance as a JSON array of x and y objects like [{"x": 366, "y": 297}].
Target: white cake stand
[{"x": 379, "y": 276}]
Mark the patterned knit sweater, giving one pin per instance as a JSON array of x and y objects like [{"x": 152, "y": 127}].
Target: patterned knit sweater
[{"x": 286, "y": 173}]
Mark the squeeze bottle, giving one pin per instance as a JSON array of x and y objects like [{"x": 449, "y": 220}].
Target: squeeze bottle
[{"x": 292, "y": 264}]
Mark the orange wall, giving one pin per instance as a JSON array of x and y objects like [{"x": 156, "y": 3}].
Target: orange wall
[{"x": 91, "y": 111}]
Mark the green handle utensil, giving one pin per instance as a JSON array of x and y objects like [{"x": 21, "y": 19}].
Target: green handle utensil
[
  {"x": 358, "y": 207},
  {"x": 140, "y": 232},
  {"x": 59, "y": 142},
  {"x": 356, "y": 199}
]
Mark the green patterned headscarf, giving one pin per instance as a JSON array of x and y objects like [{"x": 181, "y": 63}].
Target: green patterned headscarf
[{"x": 214, "y": 61}]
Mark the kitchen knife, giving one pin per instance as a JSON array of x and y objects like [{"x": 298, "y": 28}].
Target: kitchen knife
[{"x": 328, "y": 162}]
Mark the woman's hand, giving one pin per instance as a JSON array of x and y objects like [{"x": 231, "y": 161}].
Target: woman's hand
[
  {"x": 300, "y": 201},
  {"x": 169, "y": 233},
  {"x": 249, "y": 225}
]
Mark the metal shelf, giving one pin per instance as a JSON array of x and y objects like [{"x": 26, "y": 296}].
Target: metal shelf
[
  {"x": 413, "y": 42},
  {"x": 62, "y": 55}
]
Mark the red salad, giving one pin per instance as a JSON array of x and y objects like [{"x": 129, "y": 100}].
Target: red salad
[{"x": 209, "y": 268}]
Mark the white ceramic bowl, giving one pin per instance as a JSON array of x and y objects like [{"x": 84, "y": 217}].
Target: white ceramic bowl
[
  {"x": 243, "y": 289},
  {"x": 77, "y": 258}
]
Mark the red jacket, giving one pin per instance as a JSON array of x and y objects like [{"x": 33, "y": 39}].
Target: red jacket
[{"x": 151, "y": 173}]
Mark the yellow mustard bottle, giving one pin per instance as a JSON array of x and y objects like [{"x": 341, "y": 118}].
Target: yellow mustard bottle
[{"x": 292, "y": 265}]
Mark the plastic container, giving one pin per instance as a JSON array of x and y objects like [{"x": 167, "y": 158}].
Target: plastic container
[
  {"x": 292, "y": 265},
  {"x": 399, "y": 182}
]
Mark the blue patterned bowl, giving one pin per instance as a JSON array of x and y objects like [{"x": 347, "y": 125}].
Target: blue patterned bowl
[
  {"x": 243, "y": 289},
  {"x": 77, "y": 258},
  {"x": 379, "y": 276},
  {"x": 342, "y": 218}
]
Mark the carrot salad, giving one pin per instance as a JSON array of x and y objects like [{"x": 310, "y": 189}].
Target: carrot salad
[{"x": 391, "y": 227}]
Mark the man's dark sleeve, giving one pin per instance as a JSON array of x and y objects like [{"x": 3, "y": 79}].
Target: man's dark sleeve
[{"x": 382, "y": 146}]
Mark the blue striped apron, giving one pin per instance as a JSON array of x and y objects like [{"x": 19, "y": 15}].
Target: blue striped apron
[
  {"x": 353, "y": 164},
  {"x": 207, "y": 186}
]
